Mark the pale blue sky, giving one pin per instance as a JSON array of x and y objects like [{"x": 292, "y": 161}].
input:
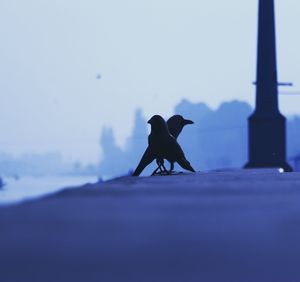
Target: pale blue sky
[{"x": 150, "y": 53}]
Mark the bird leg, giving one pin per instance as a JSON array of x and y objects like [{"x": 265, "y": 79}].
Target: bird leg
[
  {"x": 171, "y": 168},
  {"x": 156, "y": 170},
  {"x": 164, "y": 169},
  {"x": 160, "y": 167}
]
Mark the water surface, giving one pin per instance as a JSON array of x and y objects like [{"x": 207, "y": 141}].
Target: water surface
[{"x": 16, "y": 190}]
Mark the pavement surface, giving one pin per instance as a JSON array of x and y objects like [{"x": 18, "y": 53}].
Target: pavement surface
[{"x": 241, "y": 225}]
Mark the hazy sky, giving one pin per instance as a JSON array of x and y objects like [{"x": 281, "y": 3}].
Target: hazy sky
[{"x": 150, "y": 54}]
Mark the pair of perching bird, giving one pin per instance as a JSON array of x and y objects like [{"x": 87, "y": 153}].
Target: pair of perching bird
[{"x": 162, "y": 144}]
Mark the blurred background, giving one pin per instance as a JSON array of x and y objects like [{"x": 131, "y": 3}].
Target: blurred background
[{"x": 80, "y": 79}]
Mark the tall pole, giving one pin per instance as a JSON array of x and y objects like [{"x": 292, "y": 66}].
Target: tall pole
[{"x": 266, "y": 126}]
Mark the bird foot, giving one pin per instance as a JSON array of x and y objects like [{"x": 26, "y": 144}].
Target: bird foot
[
  {"x": 173, "y": 172},
  {"x": 164, "y": 173},
  {"x": 161, "y": 173}
]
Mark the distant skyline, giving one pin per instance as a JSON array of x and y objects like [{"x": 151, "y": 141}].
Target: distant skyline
[{"x": 68, "y": 68}]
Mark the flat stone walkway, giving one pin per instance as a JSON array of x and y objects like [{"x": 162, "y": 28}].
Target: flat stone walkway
[{"x": 213, "y": 226}]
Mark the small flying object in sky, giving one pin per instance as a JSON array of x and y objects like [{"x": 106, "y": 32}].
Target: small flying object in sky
[{"x": 98, "y": 76}]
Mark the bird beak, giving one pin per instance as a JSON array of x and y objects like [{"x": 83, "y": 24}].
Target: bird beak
[
  {"x": 149, "y": 121},
  {"x": 187, "y": 121}
]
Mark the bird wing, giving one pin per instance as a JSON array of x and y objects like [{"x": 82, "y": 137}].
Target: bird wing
[
  {"x": 176, "y": 154},
  {"x": 175, "y": 149}
]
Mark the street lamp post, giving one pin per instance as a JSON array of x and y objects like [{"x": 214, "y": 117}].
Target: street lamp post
[{"x": 266, "y": 126}]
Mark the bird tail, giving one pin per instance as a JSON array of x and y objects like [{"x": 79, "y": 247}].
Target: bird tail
[
  {"x": 147, "y": 158},
  {"x": 138, "y": 170},
  {"x": 184, "y": 163}
]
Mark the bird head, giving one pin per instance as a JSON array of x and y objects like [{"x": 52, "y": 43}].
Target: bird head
[
  {"x": 187, "y": 121},
  {"x": 176, "y": 124},
  {"x": 158, "y": 123},
  {"x": 157, "y": 119},
  {"x": 178, "y": 120}
]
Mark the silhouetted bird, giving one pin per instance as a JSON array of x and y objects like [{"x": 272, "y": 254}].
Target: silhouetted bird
[
  {"x": 175, "y": 126},
  {"x": 162, "y": 145}
]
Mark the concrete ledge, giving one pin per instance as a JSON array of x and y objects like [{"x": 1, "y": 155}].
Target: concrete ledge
[{"x": 241, "y": 225}]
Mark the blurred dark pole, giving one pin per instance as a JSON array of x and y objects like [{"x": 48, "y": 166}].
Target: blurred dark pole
[{"x": 266, "y": 126}]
